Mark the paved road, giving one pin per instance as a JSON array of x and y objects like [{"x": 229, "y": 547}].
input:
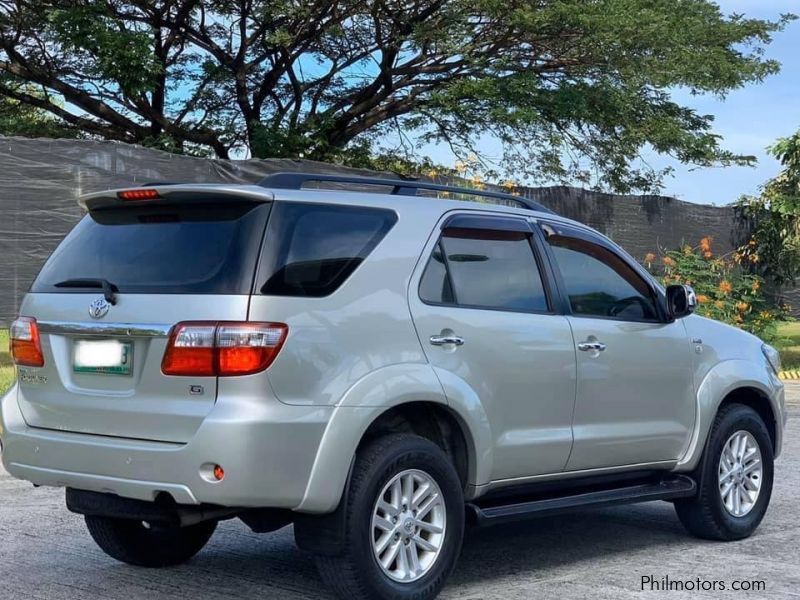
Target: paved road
[{"x": 45, "y": 553}]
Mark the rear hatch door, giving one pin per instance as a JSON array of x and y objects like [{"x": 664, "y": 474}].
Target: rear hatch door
[{"x": 105, "y": 302}]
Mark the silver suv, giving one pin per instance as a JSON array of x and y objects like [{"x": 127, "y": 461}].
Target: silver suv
[{"x": 378, "y": 368}]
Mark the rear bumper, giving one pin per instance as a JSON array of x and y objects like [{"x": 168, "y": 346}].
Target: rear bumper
[{"x": 266, "y": 448}]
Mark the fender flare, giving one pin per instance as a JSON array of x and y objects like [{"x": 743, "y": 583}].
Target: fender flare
[
  {"x": 724, "y": 378},
  {"x": 370, "y": 397}
]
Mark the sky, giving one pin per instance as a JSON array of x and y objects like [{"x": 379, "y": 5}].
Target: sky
[{"x": 749, "y": 119}]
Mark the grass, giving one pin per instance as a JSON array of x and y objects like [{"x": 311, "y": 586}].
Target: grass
[
  {"x": 6, "y": 364},
  {"x": 788, "y": 344}
]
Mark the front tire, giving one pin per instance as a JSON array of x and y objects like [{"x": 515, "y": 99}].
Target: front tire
[
  {"x": 135, "y": 543},
  {"x": 404, "y": 523},
  {"x": 735, "y": 478}
]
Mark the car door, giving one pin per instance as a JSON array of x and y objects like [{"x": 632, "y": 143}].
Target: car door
[
  {"x": 484, "y": 314},
  {"x": 635, "y": 398}
]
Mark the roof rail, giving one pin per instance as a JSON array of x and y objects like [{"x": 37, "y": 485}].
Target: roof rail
[{"x": 400, "y": 187}]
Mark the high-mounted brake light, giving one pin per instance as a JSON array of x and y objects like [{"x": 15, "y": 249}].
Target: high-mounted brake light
[
  {"x": 223, "y": 349},
  {"x": 26, "y": 346},
  {"x": 141, "y": 194}
]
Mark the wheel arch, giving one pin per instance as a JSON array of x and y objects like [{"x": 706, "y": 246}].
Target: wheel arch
[
  {"x": 399, "y": 397},
  {"x": 434, "y": 421},
  {"x": 735, "y": 381},
  {"x": 759, "y": 402}
]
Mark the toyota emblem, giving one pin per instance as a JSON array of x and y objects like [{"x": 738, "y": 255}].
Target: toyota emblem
[{"x": 99, "y": 308}]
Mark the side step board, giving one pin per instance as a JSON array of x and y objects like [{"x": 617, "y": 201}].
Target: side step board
[{"x": 678, "y": 486}]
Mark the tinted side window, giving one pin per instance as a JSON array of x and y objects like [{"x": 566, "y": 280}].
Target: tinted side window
[
  {"x": 487, "y": 269},
  {"x": 600, "y": 283},
  {"x": 311, "y": 249},
  {"x": 435, "y": 284}
]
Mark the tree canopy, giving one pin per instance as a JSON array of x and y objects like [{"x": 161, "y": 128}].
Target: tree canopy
[
  {"x": 572, "y": 89},
  {"x": 774, "y": 247},
  {"x": 23, "y": 119}
]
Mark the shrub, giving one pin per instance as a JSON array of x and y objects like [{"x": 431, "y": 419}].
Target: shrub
[{"x": 726, "y": 289}]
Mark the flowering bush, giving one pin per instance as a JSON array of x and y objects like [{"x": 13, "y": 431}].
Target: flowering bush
[{"x": 725, "y": 289}]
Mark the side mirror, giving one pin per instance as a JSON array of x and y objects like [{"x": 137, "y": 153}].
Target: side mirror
[{"x": 681, "y": 300}]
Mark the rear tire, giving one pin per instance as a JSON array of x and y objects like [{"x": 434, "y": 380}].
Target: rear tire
[
  {"x": 132, "y": 542},
  {"x": 713, "y": 516},
  {"x": 381, "y": 523}
]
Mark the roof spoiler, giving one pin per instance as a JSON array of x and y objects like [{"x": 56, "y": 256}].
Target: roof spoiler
[{"x": 172, "y": 194}]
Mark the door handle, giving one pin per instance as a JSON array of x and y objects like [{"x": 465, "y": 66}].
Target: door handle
[
  {"x": 441, "y": 340},
  {"x": 587, "y": 346}
]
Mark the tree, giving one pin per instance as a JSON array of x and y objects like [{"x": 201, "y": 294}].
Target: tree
[
  {"x": 20, "y": 119},
  {"x": 573, "y": 89},
  {"x": 774, "y": 246}
]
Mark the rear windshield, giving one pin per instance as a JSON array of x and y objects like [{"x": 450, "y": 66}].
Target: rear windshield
[
  {"x": 311, "y": 249},
  {"x": 161, "y": 250}
]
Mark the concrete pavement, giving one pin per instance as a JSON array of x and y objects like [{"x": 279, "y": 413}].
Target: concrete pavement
[{"x": 46, "y": 554}]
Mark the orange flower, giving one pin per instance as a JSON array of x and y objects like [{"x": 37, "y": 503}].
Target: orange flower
[
  {"x": 738, "y": 319},
  {"x": 725, "y": 286},
  {"x": 705, "y": 244},
  {"x": 742, "y": 306},
  {"x": 649, "y": 257},
  {"x": 719, "y": 304},
  {"x": 708, "y": 254},
  {"x": 702, "y": 298},
  {"x": 668, "y": 261},
  {"x": 756, "y": 286}
]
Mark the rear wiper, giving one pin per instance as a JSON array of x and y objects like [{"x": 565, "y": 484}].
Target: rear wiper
[{"x": 109, "y": 289}]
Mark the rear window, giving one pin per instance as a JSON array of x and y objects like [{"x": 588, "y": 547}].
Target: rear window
[
  {"x": 161, "y": 250},
  {"x": 480, "y": 268},
  {"x": 311, "y": 249}
]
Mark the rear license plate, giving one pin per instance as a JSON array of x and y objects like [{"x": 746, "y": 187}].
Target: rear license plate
[{"x": 104, "y": 357}]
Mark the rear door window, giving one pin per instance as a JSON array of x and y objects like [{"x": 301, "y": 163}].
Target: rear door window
[
  {"x": 484, "y": 268},
  {"x": 163, "y": 249},
  {"x": 311, "y": 249}
]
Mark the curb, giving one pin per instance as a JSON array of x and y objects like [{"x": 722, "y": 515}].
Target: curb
[{"x": 794, "y": 374}]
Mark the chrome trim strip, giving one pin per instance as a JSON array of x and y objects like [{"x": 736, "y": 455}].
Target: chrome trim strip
[{"x": 105, "y": 329}]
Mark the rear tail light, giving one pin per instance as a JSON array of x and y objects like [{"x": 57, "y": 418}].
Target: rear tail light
[
  {"x": 248, "y": 347},
  {"x": 222, "y": 349},
  {"x": 191, "y": 350},
  {"x": 26, "y": 346}
]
